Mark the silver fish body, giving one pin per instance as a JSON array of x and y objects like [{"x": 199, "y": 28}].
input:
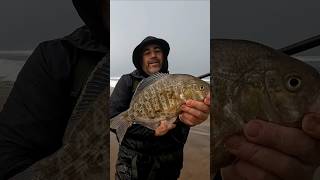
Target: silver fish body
[
  {"x": 250, "y": 81},
  {"x": 158, "y": 98}
]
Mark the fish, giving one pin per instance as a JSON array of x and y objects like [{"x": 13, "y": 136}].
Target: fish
[
  {"x": 158, "y": 98},
  {"x": 5, "y": 89},
  {"x": 85, "y": 150},
  {"x": 251, "y": 80}
]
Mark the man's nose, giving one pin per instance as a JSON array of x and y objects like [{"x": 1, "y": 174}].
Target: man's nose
[{"x": 153, "y": 54}]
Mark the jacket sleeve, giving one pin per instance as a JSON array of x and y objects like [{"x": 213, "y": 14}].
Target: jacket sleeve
[
  {"x": 120, "y": 101},
  {"x": 34, "y": 117},
  {"x": 121, "y": 96},
  {"x": 180, "y": 132}
]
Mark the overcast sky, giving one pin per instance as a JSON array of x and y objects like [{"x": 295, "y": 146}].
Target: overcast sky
[
  {"x": 24, "y": 24},
  {"x": 185, "y": 25},
  {"x": 272, "y": 22}
]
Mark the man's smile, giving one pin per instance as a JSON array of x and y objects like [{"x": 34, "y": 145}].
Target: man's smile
[{"x": 154, "y": 62}]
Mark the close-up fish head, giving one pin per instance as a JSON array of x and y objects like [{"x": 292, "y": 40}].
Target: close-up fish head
[
  {"x": 253, "y": 81},
  {"x": 293, "y": 89},
  {"x": 196, "y": 89},
  {"x": 276, "y": 88}
]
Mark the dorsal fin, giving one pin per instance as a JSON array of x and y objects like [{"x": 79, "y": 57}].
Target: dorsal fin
[
  {"x": 5, "y": 89},
  {"x": 97, "y": 83},
  {"x": 148, "y": 81}
]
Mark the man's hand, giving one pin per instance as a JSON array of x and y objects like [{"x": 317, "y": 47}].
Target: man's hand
[
  {"x": 271, "y": 151},
  {"x": 163, "y": 128},
  {"x": 195, "y": 112}
]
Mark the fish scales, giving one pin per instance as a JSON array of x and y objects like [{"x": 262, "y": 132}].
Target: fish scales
[
  {"x": 5, "y": 89},
  {"x": 159, "y": 97},
  {"x": 250, "y": 81},
  {"x": 84, "y": 153}
]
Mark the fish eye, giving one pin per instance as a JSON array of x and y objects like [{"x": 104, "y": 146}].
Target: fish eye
[{"x": 293, "y": 83}]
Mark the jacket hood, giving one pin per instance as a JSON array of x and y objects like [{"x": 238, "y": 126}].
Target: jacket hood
[
  {"x": 97, "y": 22},
  {"x": 137, "y": 53}
]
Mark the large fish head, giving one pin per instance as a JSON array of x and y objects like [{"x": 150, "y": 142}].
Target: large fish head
[
  {"x": 196, "y": 89},
  {"x": 251, "y": 81},
  {"x": 293, "y": 88}
]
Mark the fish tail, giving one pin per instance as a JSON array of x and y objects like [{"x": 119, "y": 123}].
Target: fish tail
[{"x": 120, "y": 123}]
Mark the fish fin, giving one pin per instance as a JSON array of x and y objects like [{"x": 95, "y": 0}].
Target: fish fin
[
  {"x": 97, "y": 83},
  {"x": 5, "y": 89},
  {"x": 148, "y": 81},
  {"x": 152, "y": 126},
  {"x": 172, "y": 120},
  {"x": 120, "y": 123}
]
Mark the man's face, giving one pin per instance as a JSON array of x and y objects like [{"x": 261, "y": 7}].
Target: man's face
[{"x": 152, "y": 59}]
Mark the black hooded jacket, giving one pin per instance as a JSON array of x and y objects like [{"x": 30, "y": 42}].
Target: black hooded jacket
[{"x": 34, "y": 118}]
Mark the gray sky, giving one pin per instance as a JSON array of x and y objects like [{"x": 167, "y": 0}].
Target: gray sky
[
  {"x": 272, "y": 22},
  {"x": 184, "y": 24},
  {"x": 24, "y": 24}
]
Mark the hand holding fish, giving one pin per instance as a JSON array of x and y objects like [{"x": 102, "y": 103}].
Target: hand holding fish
[
  {"x": 163, "y": 128},
  {"x": 195, "y": 112},
  {"x": 270, "y": 151}
]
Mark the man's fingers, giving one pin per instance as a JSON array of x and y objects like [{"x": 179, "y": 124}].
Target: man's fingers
[
  {"x": 185, "y": 118},
  {"x": 277, "y": 163},
  {"x": 162, "y": 125},
  {"x": 230, "y": 173},
  {"x": 195, "y": 112},
  {"x": 201, "y": 106},
  {"x": 284, "y": 139},
  {"x": 189, "y": 119},
  {"x": 250, "y": 172},
  {"x": 311, "y": 125},
  {"x": 163, "y": 128}
]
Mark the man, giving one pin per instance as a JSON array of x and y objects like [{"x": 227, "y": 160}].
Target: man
[
  {"x": 145, "y": 153},
  {"x": 37, "y": 111}
]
